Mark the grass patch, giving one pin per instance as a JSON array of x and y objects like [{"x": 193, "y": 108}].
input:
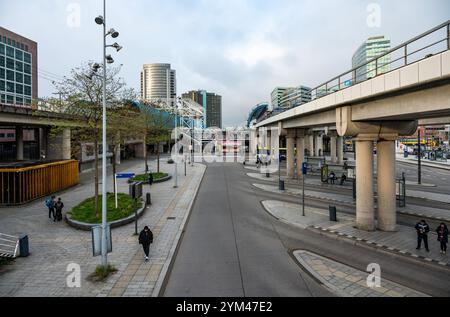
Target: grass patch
[
  {"x": 102, "y": 273},
  {"x": 85, "y": 212},
  {"x": 144, "y": 177}
]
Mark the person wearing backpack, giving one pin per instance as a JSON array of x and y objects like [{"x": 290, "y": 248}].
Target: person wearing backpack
[
  {"x": 58, "y": 208},
  {"x": 50, "y": 204}
]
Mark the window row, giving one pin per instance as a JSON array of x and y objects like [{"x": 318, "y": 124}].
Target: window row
[
  {"x": 6, "y": 86},
  {"x": 18, "y": 66},
  {"x": 15, "y": 53},
  {"x": 11, "y": 42},
  {"x": 18, "y": 100},
  {"x": 15, "y": 76}
]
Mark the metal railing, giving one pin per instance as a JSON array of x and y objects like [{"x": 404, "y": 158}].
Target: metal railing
[{"x": 384, "y": 63}]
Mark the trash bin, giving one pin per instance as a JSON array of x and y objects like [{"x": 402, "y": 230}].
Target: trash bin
[
  {"x": 282, "y": 185},
  {"x": 268, "y": 175},
  {"x": 149, "y": 199},
  {"x": 23, "y": 246},
  {"x": 333, "y": 213}
]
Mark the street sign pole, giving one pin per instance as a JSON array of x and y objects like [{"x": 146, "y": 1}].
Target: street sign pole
[
  {"x": 115, "y": 188},
  {"x": 304, "y": 172}
]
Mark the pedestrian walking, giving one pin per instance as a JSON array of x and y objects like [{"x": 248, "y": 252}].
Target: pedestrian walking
[
  {"x": 442, "y": 232},
  {"x": 50, "y": 204},
  {"x": 422, "y": 234},
  {"x": 146, "y": 238},
  {"x": 59, "y": 205},
  {"x": 150, "y": 178}
]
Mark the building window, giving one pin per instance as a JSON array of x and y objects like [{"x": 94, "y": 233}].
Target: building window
[
  {"x": 27, "y": 80},
  {"x": 27, "y": 69},
  {"x": 10, "y": 51},
  {"x": 2, "y": 85},
  {"x": 19, "y": 100},
  {"x": 10, "y": 75},
  {"x": 19, "y": 78},
  {"x": 2, "y": 49},
  {"x": 9, "y": 87},
  {"x": 19, "y": 66},
  {"x": 27, "y": 91},
  {"x": 19, "y": 89},
  {"x": 9, "y": 99},
  {"x": 3, "y": 98},
  {"x": 9, "y": 63},
  {"x": 2, "y": 61},
  {"x": 27, "y": 101},
  {"x": 2, "y": 73},
  {"x": 27, "y": 58},
  {"x": 19, "y": 55}
]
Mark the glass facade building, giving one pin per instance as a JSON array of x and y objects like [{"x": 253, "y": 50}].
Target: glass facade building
[
  {"x": 295, "y": 97},
  {"x": 212, "y": 106},
  {"x": 156, "y": 79},
  {"x": 370, "y": 49},
  {"x": 18, "y": 69}
]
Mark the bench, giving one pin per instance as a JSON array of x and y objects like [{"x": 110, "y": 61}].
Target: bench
[{"x": 9, "y": 246}]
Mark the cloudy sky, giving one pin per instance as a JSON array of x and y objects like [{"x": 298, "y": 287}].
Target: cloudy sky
[{"x": 240, "y": 49}]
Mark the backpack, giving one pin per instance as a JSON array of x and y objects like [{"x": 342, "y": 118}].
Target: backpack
[{"x": 49, "y": 203}]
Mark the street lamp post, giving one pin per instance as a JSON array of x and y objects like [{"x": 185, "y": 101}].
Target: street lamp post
[{"x": 101, "y": 20}]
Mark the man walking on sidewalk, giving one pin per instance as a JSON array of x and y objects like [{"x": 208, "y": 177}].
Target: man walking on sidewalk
[
  {"x": 50, "y": 204},
  {"x": 146, "y": 238},
  {"x": 422, "y": 234}
]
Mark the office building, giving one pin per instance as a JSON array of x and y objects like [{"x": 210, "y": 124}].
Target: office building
[
  {"x": 158, "y": 81},
  {"x": 276, "y": 95},
  {"x": 373, "y": 47},
  {"x": 212, "y": 106},
  {"x": 18, "y": 69},
  {"x": 294, "y": 97}
]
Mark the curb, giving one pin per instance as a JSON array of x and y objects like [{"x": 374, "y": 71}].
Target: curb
[
  {"x": 115, "y": 224},
  {"x": 376, "y": 246},
  {"x": 168, "y": 264}
]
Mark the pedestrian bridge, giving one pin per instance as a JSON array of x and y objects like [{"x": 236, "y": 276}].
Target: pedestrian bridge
[{"x": 374, "y": 103}]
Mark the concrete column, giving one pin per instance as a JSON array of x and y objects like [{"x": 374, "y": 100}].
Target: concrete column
[
  {"x": 269, "y": 142},
  {"x": 300, "y": 154},
  {"x": 19, "y": 143},
  {"x": 59, "y": 146},
  {"x": 333, "y": 149},
  {"x": 365, "y": 216},
  {"x": 319, "y": 145},
  {"x": 387, "y": 211},
  {"x": 311, "y": 145},
  {"x": 290, "y": 155},
  {"x": 66, "y": 145},
  {"x": 340, "y": 150}
]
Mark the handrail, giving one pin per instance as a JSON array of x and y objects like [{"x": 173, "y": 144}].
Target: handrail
[{"x": 375, "y": 60}]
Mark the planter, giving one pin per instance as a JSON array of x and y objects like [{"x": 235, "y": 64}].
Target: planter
[
  {"x": 159, "y": 180},
  {"x": 115, "y": 224}
]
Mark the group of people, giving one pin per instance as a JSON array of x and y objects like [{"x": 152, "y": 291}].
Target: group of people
[
  {"x": 423, "y": 229},
  {"x": 55, "y": 208}
]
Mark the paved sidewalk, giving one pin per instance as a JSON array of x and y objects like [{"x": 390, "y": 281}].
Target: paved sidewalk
[
  {"x": 441, "y": 165},
  {"x": 346, "y": 281},
  {"x": 403, "y": 241},
  {"x": 55, "y": 245}
]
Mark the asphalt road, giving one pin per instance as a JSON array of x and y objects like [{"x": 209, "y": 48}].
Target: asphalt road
[{"x": 232, "y": 247}]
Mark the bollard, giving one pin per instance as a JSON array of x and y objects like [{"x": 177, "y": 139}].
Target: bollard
[
  {"x": 23, "y": 246},
  {"x": 281, "y": 186},
  {"x": 333, "y": 213},
  {"x": 149, "y": 199},
  {"x": 268, "y": 175}
]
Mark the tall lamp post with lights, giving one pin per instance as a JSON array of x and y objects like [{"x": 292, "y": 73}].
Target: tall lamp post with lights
[{"x": 107, "y": 59}]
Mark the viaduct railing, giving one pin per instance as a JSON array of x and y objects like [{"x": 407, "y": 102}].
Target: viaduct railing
[{"x": 22, "y": 185}]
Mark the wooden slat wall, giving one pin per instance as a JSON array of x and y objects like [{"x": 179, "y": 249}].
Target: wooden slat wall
[{"x": 22, "y": 185}]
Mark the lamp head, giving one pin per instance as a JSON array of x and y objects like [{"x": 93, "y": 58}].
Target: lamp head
[
  {"x": 113, "y": 33},
  {"x": 99, "y": 20},
  {"x": 117, "y": 46},
  {"x": 109, "y": 59}
]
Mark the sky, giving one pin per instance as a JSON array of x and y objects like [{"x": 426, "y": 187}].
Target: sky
[{"x": 239, "y": 49}]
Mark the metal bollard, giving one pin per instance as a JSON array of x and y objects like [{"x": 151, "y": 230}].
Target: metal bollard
[
  {"x": 149, "y": 199},
  {"x": 23, "y": 246},
  {"x": 268, "y": 175},
  {"x": 281, "y": 186},
  {"x": 333, "y": 213}
]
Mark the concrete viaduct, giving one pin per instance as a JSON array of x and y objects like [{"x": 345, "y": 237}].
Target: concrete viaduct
[{"x": 379, "y": 109}]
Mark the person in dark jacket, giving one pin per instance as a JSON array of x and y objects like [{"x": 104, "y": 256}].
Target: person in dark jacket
[
  {"x": 58, "y": 208},
  {"x": 50, "y": 204},
  {"x": 442, "y": 232},
  {"x": 146, "y": 238},
  {"x": 422, "y": 229},
  {"x": 150, "y": 178}
]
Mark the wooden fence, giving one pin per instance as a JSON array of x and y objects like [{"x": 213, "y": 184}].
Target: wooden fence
[{"x": 22, "y": 185}]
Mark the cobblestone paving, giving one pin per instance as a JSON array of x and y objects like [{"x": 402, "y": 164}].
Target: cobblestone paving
[
  {"x": 346, "y": 281},
  {"x": 55, "y": 245}
]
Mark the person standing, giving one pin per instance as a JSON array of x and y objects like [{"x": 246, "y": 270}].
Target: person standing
[
  {"x": 442, "y": 232},
  {"x": 58, "y": 208},
  {"x": 150, "y": 178},
  {"x": 50, "y": 204},
  {"x": 422, "y": 229},
  {"x": 146, "y": 238}
]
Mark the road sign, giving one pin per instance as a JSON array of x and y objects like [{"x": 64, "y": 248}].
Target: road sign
[{"x": 125, "y": 175}]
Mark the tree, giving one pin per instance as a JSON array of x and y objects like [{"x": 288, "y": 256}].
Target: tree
[{"x": 83, "y": 99}]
